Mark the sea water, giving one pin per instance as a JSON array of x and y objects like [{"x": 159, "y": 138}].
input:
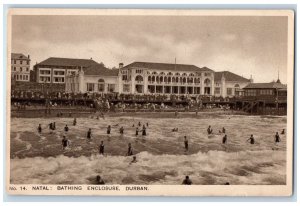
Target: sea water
[{"x": 161, "y": 156}]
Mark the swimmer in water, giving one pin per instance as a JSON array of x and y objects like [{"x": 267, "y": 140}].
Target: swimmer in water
[
  {"x": 139, "y": 124},
  {"x": 144, "y": 131},
  {"x": 53, "y": 126},
  {"x": 74, "y": 122},
  {"x": 121, "y": 130},
  {"x": 40, "y": 128},
  {"x": 108, "y": 130},
  {"x": 133, "y": 125},
  {"x": 283, "y": 131},
  {"x": 251, "y": 139},
  {"x": 99, "y": 180},
  {"x": 224, "y": 140},
  {"x": 187, "y": 181},
  {"x": 66, "y": 128},
  {"x": 277, "y": 138},
  {"x": 186, "y": 144},
  {"x": 89, "y": 134},
  {"x": 65, "y": 142},
  {"x": 209, "y": 130},
  {"x": 137, "y": 131},
  {"x": 101, "y": 148},
  {"x": 133, "y": 160},
  {"x": 129, "y": 151},
  {"x": 147, "y": 124},
  {"x": 224, "y": 130}
]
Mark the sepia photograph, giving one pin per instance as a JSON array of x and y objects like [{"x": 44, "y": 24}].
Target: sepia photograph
[{"x": 150, "y": 102}]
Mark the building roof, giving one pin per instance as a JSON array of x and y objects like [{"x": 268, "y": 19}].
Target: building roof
[
  {"x": 57, "y": 61},
  {"x": 101, "y": 70},
  {"x": 229, "y": 76},
  {"x": 19, "y": 56},
  {"x": 271, "y": 85},
  {"x": 165, "y": 66}
]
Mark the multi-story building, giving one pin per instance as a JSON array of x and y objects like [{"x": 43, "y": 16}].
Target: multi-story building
[
  {"x": 228, "y": 84},
  {"x": 155, "y": 78},
  {"x": 20, "y": 67},
  {"x": 55, "y": 70},
  {"x": 162, "y": 78}
]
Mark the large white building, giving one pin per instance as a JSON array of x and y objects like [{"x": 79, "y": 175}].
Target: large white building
[
  {"x": 20, "y": 67},
  {"x": 155, "y": 78}
]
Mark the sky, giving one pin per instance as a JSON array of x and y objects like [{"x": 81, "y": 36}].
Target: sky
[{"x": 244, "y": 45}]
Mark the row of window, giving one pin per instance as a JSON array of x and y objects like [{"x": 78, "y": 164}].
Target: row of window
[
  {"x": 254, "y": 92},
  {"x": 21, "y": 77},
  {"x": 55, "y": 79},
  {"x": 176, "y": 74},
  {"x": 21, "y": 69},
  {"x": 230, "y": 91},
  {"x": 90, "y": 87},
  {"x": 20, "y": 61},
  {"x": 57, "y": 73}
]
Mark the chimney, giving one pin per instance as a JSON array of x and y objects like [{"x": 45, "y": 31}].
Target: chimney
[
  {"x": 28, "y": 56},
  {"x": 121, "y": 65}
]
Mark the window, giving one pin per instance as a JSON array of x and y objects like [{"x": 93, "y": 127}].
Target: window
[
  {"x": 139, "y": 78},
  {"x": 207, "y": 74},
  {"x": 61, "y": 73},
  {"x": 90, "y": 87},
  {"x": 138, "y": 71},
  {"x": 207, "y": 81},
  {"x": 27, "y": 69},
  {"x": 250, "y": 92},
  {"x": 15, "y": 69},
  {"x": 20, "y": 69},
  {"x": 45, "y": 72},
  {"x": 59, "y": 79},
  {"x": 124, "y": 77},
  {"x": 17, "y": 77},
  {"x": 101, "y": 85},
  {"x": 21, "y": 62},
  {"x": 229, "y": 91},
  {"x": 217, "y": 90},
  {"x": 126, "y": 88},
  {"x": 21, "y": 77},
  {"x": 111, "y": 87},
  {"x": 27, "y": 62},
  {"x": 15, "y": 62}
]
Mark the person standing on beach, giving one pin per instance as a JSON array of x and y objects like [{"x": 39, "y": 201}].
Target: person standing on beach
[
  {"x": 40, "y": 128},
  {"x": 283, "y": 131},
  {"x": 101, "y": 148},
  {"x": 137, "y": 131},
  {"x": 186, "y": 144},
  {"x": 129, "y": 151}
]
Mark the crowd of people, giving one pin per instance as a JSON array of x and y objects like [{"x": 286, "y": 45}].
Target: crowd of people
[{"x": 139, "y": 127}]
